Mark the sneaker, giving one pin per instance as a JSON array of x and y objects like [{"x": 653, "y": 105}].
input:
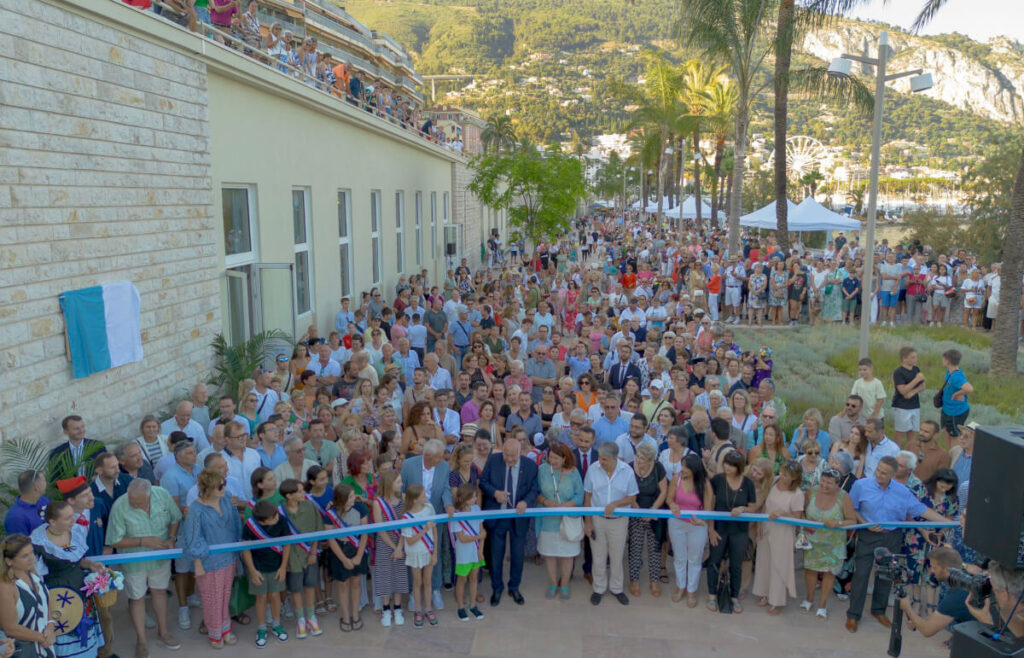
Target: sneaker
[
  {"x": 286, "y": 610},
  {"x": 184, "y": 621},
  {"x": 438, "y": 600},
  {"x": 300, "y": 629},
  {"x": 313, "y": 624},
  {"x": 194, "y": 601},
  {"x": 397, "y": 615},
  {"x": 477, "y": 615},
  {"x": 462, "y": 614},
  {"x": 168, "y": 642},
  {"x": 150, "y": 622},
  {"x": 385, "y": 618},
  {"x": 279, "y": 633},
  {"x": 261, "y": 638}
]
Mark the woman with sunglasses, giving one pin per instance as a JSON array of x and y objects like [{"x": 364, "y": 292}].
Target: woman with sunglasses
[
  {"x": 811, "y": 464},
  {"x": 774, "y": 577},
  {"x": 826, "y": 503},
  {"x": 547, "y": 407},
  {"x": 211, "y": 520}
]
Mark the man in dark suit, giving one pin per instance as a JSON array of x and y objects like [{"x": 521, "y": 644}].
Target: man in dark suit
[
  {"x": 585, "y": 455},
  {"x": 624, "y": 369},
  {"x": 431, "y": 470},
  {"x": 509, "y": 481},
  {"x": 73, "y": 457}
]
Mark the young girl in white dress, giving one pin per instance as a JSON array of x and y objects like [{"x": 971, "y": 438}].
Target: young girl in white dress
[{"x": 419, "y": 543}]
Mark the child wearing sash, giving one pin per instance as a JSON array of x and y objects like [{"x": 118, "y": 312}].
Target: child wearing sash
[
  {"x": 266, "y": 567},
  {"x": 419, "y": 543},
  {"x": 468, "y": 539},
  {"x": 390, "y": 575},
  {"x": 349, "y": 558},
  {"x": 302, "y": 517},
  {"x": 321, "y": 492}
]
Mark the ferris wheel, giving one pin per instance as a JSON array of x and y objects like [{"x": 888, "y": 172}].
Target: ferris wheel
[{"x": 803, "y": 155}]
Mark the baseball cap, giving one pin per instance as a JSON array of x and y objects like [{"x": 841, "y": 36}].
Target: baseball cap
[{"x": 340, "y": 402}]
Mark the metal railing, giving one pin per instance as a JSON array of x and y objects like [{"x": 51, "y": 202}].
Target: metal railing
[{"x": 244, "y": 48}]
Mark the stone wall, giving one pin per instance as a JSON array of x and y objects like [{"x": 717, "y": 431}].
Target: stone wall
[{"x": 104, "y": 176}]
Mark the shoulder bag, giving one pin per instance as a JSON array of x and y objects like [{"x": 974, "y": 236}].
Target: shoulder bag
[
  {"x": 937, "y": 399},
  {"x": 571, "y": 527}
]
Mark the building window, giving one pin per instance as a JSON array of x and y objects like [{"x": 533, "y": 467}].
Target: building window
[
  {"x": 375, "y": 246},
  {"x": 433, "y": 225},
  {"x": 444, "y": 207},
  {"x": 419, "y": 229},
  {"x": 345, "y": 241},
  {"x": 400, "y": 231},
  {"x": 239, "y": 226},
  {"x": 302, "y": 229}
]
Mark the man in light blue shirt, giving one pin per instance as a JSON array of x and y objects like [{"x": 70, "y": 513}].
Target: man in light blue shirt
[
  {"x": 578, "y": 361},
  {"x": 631, "y": 440},
  {"x": 879, "y": 499},
  {"x": 879, "y": 445},
  {"x": 182, "y": 421},
  {"x": 181, "y": 476},
  {"x": 610, "y": 425},
  {"x": 344, "y": 316},
  {"x": 270, "y": 451}
]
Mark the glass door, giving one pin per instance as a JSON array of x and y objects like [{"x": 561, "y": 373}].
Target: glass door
[
  {"x": 273, "y": 298},
  {"x": 239, "y": 308}
]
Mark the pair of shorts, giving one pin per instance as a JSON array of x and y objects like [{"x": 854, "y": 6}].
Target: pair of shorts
[
  {"x": 296, "y": 581},
  {"x": 952, "y": 423},
  {"x": 137, "y": 584},
  {"x": 906, "y": 420},
  {"x": 890, "y": 299},
  {"x": 270, "y": 585},
  {"x": 733, "y": 296},
  {"x": 465, "y": 569},
  {"x": 849, "y": 305}
]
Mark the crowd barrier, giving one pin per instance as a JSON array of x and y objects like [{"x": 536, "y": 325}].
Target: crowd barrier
[{"x": 124, "y": 558}]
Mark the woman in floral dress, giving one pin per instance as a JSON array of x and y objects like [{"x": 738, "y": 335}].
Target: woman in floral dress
[
  {"x": 829, "y": 504},
  {"x": 758, "y": 295},
  {"x": 832, "y": 299},
  {"x": 939, "y": 493}
]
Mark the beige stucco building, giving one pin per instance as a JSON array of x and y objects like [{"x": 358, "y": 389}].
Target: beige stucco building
[{"x": 236, "y": 198}]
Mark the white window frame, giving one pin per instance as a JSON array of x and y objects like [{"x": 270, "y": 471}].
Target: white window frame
[
  {"x": 445, "y": 206},
  {"x": 433, "y": 225},
  {"x": 418, "y": 203},
  {"x": 304, "y": 247},
  {"x": 345, "y": 240},
  {"x": 251, "y": 256},
  {"x": 400, "y": 231},
  {"x": 377, "y": 273}
]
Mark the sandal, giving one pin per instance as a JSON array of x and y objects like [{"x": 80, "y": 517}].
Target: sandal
[
  {"x": 712, "y": 605},
  {"x": 634, "y": 588},
  {"x": 566, "y": 593},
  {"x": 331, "y": 605},
  {"x": 655, "y": 590},
  {"x": 691, "y": 600},
  {"x": 345, "y": 626},
  {"x": 417, "y": 620},
  {"x": 242, "y": 619},
  {"x": 762, "y": 602},
  {"x": 663, "y": 578},
  {"x": 805, "y": 607},
  {"x": 822, "y": 613},
  {"x": 736, "y": 607},
  {"x": 678, "y": 596},
  {"x": 552, "y": 592},
  {"x": 357, "y": 624},
  {"x": 774, "y": 610},
  {"x": 432, "y": 618},
  {"x": 202, "y": 629}
]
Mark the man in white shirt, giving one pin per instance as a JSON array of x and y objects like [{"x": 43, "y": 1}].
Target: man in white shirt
[
  {"x": 327, "y": 369},
  {"x": 242, "y": 461},
  {"x": 439, "y": 377},
  {"x": 631, "y": 440},
  {"x": 632, "y": 312},
  {"x": 879, "y": 445},
  {"x": 735, "y": 275},
  {"x": 993, "y": 282},
  {"x": 446, "y": 417},
  {"x": 266, "y": 398},
  {"x": 227, "y": 413},
  {"x": 611, "y": 486},
  {"x": 182, "y": 421}
]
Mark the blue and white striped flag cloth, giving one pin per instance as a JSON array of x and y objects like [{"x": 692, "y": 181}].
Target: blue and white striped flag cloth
[{"x": 103, "y": 326}]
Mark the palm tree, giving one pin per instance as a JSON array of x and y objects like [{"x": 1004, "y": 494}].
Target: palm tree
[
  {"x": 659, "y": 109},
  {"x": 735, "y": 32},
  {"x": 499, "y": 134},
  {"x": 697, "y": 79},
  {"x": 719, "y": 111},
  {"x": 785, "y": 27}
]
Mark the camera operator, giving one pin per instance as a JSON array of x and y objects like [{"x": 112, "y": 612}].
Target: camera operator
[
  {"x": 879, "y": 499},
  {"x": 1007, "y": 585},
  {"x": 952, "y": 603}
]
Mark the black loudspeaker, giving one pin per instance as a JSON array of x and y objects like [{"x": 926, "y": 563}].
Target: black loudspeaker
[
  {"x": 449, "y": 249},
  {"x": 995, "y": 497},
  {"x": 972, "y": 639}
]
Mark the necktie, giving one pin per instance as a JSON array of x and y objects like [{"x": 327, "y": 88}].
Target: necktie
[
  {"x": 585, "y": 464},
  {"x": 508, "y": 486}
]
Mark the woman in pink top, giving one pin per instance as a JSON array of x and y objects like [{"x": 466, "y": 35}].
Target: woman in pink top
[{"x": 688, "y": 491}]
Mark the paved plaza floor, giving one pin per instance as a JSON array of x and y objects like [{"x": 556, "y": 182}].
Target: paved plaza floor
[{"x": 646, "y": 628}]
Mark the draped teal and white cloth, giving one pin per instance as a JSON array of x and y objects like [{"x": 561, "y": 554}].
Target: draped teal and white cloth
[{"x": 103, "y": 326}]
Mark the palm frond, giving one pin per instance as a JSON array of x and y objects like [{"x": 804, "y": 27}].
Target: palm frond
[
  {"x": 927, "y": 13},
  {"x": 233, "y": 363},
  {"x": 22, "y": 454},
  {"x": 815, "y": 82}
]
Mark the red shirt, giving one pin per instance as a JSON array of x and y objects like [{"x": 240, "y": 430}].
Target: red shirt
[{"x": 141, "y": 4}]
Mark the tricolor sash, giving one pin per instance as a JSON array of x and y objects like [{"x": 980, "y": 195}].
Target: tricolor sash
[
  {"x": 331, "y": 517},
  {"x": 466, "y": 527},
  {"x": 389, "y": 515},
  {"x": 256, "y": 529},
  {"x": 291, "y": 526},
  {"x": 427, "y": 539}
]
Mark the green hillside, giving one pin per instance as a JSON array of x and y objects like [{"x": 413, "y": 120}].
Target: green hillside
[{"x": 548, "y": 64}]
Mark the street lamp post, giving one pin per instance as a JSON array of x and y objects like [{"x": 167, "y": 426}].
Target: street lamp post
[{"x": 921, "y": 81}]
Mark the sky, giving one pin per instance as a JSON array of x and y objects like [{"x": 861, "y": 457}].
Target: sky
[{"x": 978, "y": 19}]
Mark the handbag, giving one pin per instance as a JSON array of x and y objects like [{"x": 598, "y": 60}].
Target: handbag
[
  {"x": 571, "y": 527},
  {"x": 937, "y": 398},
  {"x": 802, "y": 543},
  {"x": 922, "y": 298},
  {"x": 724, "y": 594}
]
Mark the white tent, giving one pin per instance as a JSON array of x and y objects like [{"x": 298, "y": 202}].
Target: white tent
[
  {"x": 765, "y": 217},
  {"x": 812, "y": 216}
]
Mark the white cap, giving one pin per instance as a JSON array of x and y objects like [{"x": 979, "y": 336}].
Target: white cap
[
  {"x": 538, "y": 439},
  {"x": 340, "y": 402}
]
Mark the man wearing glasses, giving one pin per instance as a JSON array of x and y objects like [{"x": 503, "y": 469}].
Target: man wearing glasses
[
  {"x": 767, "y": 417},
  {"x": 242, "y": 461},
  {"x": 842, "y": 423}
]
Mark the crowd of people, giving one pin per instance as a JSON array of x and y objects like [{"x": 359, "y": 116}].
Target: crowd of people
[
  {"x": 242, "y": 26},
  {"x": 599, "y": 372}
]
